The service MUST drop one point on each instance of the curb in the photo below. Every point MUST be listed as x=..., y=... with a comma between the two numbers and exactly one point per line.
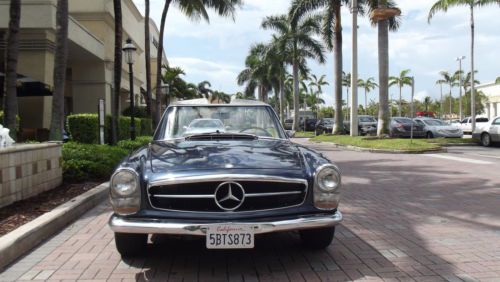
x=21, y=240
x=384, y=151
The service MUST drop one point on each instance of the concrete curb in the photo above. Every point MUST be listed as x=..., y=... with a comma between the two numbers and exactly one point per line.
x=21, y=240
x=383, y=151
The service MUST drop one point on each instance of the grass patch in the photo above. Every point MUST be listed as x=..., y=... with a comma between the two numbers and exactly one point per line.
x=383, y=144
x=302, y=134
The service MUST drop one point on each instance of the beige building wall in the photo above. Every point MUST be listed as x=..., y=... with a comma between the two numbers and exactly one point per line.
x=492, y=106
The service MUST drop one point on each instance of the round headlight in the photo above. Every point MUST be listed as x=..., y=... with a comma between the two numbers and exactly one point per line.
x=124, y=183
x=328, y=179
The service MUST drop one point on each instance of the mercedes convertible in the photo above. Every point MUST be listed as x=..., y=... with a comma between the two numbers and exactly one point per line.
x=225, y=172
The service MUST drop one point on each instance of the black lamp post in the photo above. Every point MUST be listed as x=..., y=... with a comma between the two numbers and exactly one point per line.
x=129, y=52
x=165, y=89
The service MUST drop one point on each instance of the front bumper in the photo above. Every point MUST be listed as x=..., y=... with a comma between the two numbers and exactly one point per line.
x=155, y=226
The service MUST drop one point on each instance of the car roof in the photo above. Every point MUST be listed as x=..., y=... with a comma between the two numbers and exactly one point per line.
x=206, y=102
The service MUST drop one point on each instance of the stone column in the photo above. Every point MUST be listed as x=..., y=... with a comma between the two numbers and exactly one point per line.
x=488, y=110
x=495, y=109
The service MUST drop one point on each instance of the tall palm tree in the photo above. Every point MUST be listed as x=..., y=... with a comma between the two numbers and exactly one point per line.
x=427, y=103
x=385, y=15
x=346, y=82
x=318, y=83
x=256, y=73
x=12, y=54
x=60, y=62
x=449, y=79
x=117, y=7
x=147, y=55
x=296, y=36
x=467, y=85
x=400, y=81
x=204, y=89
x=444, y=5
x=440, y=82
x=367, y=86
x=497, y=81
x=278, y=59
x=331, y=32
x=194, y=10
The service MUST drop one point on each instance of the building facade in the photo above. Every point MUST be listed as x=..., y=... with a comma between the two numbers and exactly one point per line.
x=492, y=105
x=90, y=59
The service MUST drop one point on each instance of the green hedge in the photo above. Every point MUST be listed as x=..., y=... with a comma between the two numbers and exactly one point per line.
x=84, y=128
x=83, y=162
x=18, y=120
x=136, y=144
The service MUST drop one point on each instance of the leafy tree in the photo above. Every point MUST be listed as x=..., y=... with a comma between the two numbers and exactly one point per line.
x=400, y=81
x=204, y=89
x=449, y=79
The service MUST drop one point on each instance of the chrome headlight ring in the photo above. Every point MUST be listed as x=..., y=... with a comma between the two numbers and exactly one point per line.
x=125, y=191
x=327, y=184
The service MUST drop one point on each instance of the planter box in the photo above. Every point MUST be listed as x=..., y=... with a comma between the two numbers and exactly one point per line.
x=27, y=170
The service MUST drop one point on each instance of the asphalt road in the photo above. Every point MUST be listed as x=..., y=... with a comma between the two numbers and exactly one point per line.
x=432, y=217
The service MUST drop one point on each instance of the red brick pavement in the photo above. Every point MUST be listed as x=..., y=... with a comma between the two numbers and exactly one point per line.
x=406, y=219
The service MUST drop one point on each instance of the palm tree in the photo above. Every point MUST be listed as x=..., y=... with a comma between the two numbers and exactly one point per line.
x=194, y=10
x=449, y=79
x=497, y=81
x=220, y=97
x=385, y=15
x=318, y=83
x=117, y=7
x=467, y=84
x=346, y=82
x=277, y=59
x=12, y=54
x=444, y=5
x=256, y=73
x=331, y=32
x=368, y=86
x=204, y=90
x=147, y=55
x=60, y=61
x=296, y=37
x=400, y=81
x=427, y=103
x=440, y=82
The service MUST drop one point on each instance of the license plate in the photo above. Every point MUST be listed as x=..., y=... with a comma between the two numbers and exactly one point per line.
x=228, y=236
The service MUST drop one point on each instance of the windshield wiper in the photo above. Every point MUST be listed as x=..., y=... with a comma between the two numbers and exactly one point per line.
x=221, y=136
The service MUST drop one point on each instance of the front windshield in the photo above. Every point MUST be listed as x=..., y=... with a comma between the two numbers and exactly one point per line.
x=435, y=122
x=367, y=119
x=183, y=121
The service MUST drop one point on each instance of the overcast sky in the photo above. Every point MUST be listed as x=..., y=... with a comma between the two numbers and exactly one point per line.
x=216, y=51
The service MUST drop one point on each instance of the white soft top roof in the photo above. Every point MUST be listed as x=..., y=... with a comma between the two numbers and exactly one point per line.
x=204, y=102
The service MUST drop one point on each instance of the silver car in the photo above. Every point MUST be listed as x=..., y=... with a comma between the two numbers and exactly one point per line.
x=489, y=133
x=438, y=128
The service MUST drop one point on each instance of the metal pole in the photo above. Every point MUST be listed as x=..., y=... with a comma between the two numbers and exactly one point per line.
x=460, y=87
x=132, y=107
x=354, y=70
x=411, y=107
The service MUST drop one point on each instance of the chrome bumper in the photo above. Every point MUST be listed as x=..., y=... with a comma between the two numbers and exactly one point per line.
x=152, y=226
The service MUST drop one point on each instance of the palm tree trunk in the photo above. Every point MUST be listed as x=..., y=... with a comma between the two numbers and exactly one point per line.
x=441, y=110
x=400, y=105
x=159, y=58
x=366, y=103
x=282, y=102
x=296, y=108
x=347, y=105
x=117, y=6
x=451, y=103
x=147, y=54
x=473, y=87
x=338, y=127
x=60, y=61
x=10, y=110
x=383, y=66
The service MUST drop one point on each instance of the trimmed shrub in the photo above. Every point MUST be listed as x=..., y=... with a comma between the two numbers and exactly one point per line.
x=18, y=121
x=90, y=161
x=123, y=128
x=84, y=128
x=147, y=127
x=139, y=142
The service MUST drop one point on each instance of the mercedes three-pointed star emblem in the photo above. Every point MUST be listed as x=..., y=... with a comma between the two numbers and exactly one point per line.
x=229, y=196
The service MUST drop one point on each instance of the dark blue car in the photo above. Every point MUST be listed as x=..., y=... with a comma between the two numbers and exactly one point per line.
x=225, y=185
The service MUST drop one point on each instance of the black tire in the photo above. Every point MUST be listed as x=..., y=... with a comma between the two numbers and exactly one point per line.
x=486, y=140
x=429, y=135
x=317, y=238
x=131, y=245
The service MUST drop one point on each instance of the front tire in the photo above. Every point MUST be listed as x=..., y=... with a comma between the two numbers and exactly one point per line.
x=317, y=239
x=486, y=140
x=130, y=245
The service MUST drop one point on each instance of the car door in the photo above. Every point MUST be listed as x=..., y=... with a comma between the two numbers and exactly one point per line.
x=495, y=130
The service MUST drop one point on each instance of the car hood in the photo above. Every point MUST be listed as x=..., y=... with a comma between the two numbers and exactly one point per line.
x=166, y=157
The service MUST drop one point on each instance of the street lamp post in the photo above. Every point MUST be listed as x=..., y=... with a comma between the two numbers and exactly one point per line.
x=354, y=70
x=459, y=59
x=165, y=89
x=129, y=51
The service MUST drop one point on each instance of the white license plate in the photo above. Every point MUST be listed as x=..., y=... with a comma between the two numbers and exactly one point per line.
x=229, y=236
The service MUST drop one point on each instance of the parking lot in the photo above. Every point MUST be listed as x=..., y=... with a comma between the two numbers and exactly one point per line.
x=406, y=217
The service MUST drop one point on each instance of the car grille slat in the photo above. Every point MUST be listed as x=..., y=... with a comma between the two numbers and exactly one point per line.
x=200, y=197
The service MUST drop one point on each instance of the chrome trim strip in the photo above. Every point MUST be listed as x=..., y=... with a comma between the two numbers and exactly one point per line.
x=223, y=178
x=251, y=195
x=152, y=226
x=254, y=195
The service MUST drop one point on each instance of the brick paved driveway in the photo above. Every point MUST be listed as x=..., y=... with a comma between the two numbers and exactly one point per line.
x=406, y=218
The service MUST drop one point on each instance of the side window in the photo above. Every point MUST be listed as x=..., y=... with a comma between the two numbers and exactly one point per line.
x=465, y=120
x=497, y=121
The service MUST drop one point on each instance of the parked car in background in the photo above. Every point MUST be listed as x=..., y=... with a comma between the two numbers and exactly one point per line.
x=489, y=133
x=426, y=114
x=203, y=125
x=367, y=125
x=324, y=126
x=226, y=187
x=437, y=128
x=402, y=127
x=288, y=124
x=454, y=122
x=466, y=124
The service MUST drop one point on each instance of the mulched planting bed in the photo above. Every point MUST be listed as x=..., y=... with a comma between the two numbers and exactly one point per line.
x=22, y=212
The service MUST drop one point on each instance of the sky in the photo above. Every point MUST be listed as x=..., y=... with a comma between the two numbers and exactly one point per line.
x=216, y=51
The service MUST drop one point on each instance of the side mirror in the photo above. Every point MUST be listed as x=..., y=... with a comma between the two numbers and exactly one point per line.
x=290, y=133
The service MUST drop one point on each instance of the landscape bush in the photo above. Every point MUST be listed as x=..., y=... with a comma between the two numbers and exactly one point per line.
x=18, y=120
x=139, y=142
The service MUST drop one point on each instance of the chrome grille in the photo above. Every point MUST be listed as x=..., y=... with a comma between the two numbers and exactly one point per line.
x=260, y=193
